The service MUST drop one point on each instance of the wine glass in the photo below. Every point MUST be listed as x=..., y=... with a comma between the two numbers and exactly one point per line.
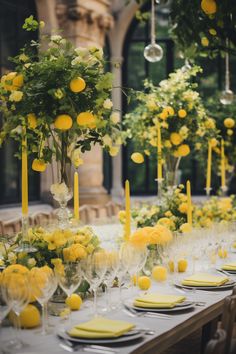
x=16, y=294
x=43, y=282
x=112, y=269
x=4, y=308
x=70, y=277
x=94, y=268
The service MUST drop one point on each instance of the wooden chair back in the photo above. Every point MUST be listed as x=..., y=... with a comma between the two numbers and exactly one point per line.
x=217, y=344
x=228, y=319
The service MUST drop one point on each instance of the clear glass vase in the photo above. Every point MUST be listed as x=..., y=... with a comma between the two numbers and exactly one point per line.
x=171, y=168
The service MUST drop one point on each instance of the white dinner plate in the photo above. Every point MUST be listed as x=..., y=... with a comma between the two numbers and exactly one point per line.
x=229, y=285
x=127, y=337
x=183, y=306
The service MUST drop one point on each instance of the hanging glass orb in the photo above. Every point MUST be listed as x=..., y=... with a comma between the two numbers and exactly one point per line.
x=153, y=53
x=186, y=66
x=227, y=97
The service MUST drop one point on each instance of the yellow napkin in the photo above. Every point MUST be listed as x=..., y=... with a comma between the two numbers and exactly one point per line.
x=204, y=279
x=229, y=266
x=100, y=327
x=158, y=301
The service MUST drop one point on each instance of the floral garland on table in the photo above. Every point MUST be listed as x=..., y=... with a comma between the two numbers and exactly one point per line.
x=215, y=210
x=176, y=106
x=61, y=97
x=172, y=213
x=52, y=247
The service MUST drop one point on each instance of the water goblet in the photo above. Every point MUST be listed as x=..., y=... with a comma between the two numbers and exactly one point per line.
x=43, y=282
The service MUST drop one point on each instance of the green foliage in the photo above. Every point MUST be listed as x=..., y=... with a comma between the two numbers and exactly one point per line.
x=40, y=86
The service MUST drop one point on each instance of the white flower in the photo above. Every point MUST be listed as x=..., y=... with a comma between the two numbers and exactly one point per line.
x=27, y=65
x=184, y=132
x=82, y=51
x=76, y=159
x=56, y=38
x=107, y=104
x=58, y=189
x=12, y=257
x=76, y=61
x=31, y=262
x=97, y=52
x=107, y=141
x=17, y=130
x=115, y=117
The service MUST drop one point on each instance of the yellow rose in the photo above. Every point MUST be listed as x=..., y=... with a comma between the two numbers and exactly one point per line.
x=229, y=123
x=166, y=222
x=175, y=138
x=39, y=165
x=210, y=123
x=182, y=113
x=183, y=208
x=140, y=237
x=137, y=157
x=214, y=142
x=230, y=132
x=169, y=110
x=167, y=143
x=18, y=81
x=16, y=96
x=160, y=235
x=163, y=115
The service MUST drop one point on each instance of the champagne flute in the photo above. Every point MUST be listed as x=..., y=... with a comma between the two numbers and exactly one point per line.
x=43, y=284
x=112, y=269
x=94, y=269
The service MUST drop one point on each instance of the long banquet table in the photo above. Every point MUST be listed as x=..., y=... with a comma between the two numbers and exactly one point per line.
x=167, y=331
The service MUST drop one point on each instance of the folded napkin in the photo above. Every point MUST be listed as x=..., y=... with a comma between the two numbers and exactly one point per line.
x=158, y=301
x=204, y=279
x=229, y=266
x=100, y=327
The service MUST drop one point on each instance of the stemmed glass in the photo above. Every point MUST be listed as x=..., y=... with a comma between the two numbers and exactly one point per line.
x=16, y=294
x=43, y=282
x=70, y=277
x=94, y=268
x=112, y=269
x=4, y=307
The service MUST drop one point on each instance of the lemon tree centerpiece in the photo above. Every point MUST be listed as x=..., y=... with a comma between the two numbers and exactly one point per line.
x=177, y=108
x=58, y=98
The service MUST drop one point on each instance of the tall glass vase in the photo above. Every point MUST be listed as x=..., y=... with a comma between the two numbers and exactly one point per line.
x=61, y=188
x=171, y=168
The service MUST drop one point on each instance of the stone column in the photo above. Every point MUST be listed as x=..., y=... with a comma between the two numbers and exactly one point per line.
x=85, y=24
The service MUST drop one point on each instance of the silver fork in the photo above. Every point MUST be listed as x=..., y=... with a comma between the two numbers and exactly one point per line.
x=134, y=313
x=71, y=347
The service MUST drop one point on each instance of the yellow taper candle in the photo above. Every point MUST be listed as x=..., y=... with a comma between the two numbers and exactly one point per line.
x=127, y=211
x=208, y=177
x=76, y=196
x=223, y=185
x=189, y=202
x=159, y=158
x=24, y=175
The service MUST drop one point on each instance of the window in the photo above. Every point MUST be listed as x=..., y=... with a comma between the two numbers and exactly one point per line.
x=12, y=38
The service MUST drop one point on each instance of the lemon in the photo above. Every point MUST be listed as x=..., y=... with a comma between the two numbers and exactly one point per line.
x=144, y=283
x=159, y=273
x=63, y=122
x=182, y=265
x=77, y=84
x=171, y=266
x=32, y=120
x=209, y=6
x=205, y=41
x=74, y=302
x=137, y=157
x=222, y=253
x=29, y=317
x=39, y=165
x=86, y=119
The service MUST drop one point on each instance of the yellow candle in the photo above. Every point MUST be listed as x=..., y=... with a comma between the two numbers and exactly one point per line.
x=24, y=176
x=189, y=202
x=127, y=211
x=209, y=160
x=159, y=162
x=76, y=196
x=223, y=185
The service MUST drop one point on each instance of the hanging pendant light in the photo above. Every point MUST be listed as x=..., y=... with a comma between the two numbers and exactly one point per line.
x=153, y=52
x=227, y=96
